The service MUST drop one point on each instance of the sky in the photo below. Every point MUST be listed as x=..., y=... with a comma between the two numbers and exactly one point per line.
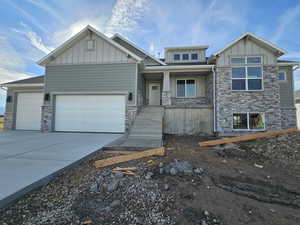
x=30, y=29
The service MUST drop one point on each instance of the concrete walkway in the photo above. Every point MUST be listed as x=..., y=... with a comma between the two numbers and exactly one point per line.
x=30, y=159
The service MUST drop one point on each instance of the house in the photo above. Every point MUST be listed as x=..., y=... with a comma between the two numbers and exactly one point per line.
x=93, y=83
x=297, y=103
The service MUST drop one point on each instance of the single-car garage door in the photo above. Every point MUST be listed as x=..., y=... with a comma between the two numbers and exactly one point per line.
x=29, y=111
x=90, y=113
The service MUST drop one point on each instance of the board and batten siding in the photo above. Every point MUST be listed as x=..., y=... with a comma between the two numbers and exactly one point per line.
x=92, y=78
x=287, y=88
x=146, y=59
x=103, y=52
x=246, y=47
x=169, y=55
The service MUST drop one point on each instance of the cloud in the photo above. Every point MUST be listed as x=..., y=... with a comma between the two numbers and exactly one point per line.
x=285, y=20
x=34, y=39
x=292, y=55
x=125, y=16
x=9, y=57
x=29, y=17
x=43, y=5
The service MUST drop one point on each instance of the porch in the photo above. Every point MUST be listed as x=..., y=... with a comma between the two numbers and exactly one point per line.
x=186, y=92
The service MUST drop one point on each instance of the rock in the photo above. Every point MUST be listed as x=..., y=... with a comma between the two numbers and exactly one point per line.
x=118, y=175
x=166, y=187
x=161, y=170
x=106, y=173
x=115, y=203
x=206, y=213
x=94, y=187
x=199, y=170
x=112, y=186
x=149, y=175
x=224, y=161
x=180, y=166
x=230, y=146
x=203, y=222
x=173, y=171
x=161, y=165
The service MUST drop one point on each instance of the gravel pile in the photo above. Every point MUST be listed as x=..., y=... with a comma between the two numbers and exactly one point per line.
x=285, y=148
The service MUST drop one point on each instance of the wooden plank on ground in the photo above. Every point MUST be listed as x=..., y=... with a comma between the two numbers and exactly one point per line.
x=247, y=137
x=120, y=152
x=125, y=158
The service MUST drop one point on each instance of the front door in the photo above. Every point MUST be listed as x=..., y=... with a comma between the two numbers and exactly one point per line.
x=154, y=94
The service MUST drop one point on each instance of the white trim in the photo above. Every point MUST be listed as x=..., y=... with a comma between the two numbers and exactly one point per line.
x=138, y=48
x=280, y=71
x=136, y=85
x=185, y=89
x=66, y=44
x=187, y=47
x=280, y=50
x=177, y=67
x=248, y=121
x=288, y=63
x=23, y=85
x=246, y=78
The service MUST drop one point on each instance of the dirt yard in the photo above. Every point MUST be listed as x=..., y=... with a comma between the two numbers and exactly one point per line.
x=256, y=182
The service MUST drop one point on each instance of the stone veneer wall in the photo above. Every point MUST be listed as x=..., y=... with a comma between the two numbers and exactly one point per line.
x=189, y=102
x=47, y=117
x=8, y=121
x=288, y=118
x=229, y=102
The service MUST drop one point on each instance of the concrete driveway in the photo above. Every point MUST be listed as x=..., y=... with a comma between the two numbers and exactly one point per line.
x=29, y=159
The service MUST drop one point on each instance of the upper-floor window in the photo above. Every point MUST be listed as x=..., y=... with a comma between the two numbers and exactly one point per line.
x=281, y=76
x=194, y=56
x=246, y=77
x=246, y=60
x=185, y=88
x=176, y=57
x=185, y=56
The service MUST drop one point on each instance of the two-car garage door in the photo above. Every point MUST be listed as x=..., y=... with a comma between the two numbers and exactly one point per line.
x=90, y=113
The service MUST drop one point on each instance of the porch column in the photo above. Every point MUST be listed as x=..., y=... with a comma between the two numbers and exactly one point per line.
x=166, y=93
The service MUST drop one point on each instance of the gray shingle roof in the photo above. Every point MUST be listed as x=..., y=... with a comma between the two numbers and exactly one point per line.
x=31, y=80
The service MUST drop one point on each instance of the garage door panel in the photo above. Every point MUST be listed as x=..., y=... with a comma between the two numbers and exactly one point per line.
x=90, y=113
x=29, y=112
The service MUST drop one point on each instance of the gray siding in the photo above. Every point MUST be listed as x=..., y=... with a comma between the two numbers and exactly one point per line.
x=246, y=47
x=146, y=59
x=92, y=78
x=286, y=88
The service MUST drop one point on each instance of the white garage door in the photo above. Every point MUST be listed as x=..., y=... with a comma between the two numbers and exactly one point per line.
x=29, y=111
x=90, y=113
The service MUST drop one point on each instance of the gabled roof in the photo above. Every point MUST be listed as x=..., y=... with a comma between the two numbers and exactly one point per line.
x=138, y=48
x=76, y=37
x=187, y=47
x=280, y=51
x=28, y=81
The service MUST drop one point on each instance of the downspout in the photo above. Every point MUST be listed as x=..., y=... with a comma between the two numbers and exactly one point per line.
x=214, y=96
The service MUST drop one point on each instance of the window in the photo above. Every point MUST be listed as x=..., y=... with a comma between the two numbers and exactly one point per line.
x=238, y=60
x=185, y=56
x=246, y=78
x=281, y=76
x=194, y=56
x=186, y=88
x=90, y=45
x=246, y=60
x=248, y=121
x=176, y=57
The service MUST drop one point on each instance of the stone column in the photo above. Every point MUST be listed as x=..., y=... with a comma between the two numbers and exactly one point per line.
x=166, y=93
x=47, y=117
